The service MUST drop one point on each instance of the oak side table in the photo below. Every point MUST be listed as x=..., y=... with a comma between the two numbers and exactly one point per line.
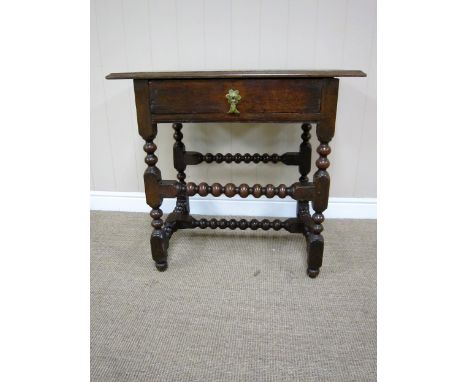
x=238, y=96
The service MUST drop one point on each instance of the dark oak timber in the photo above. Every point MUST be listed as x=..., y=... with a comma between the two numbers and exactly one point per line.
x=182, y=204
x=308, y=97
x=193, y=157
x=260, y=97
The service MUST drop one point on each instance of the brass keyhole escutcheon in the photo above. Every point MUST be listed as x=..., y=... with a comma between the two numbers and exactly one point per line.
x=233, y=98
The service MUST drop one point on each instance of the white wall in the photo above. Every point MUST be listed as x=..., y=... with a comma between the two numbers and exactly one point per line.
x=146, y=35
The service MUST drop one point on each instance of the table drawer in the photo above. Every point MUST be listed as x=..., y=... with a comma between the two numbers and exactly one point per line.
x=261, y=99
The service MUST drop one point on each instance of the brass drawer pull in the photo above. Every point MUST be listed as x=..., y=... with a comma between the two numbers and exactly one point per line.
x=233, y=98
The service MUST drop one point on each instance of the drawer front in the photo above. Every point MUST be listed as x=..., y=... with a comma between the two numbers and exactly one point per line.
x=261, y=99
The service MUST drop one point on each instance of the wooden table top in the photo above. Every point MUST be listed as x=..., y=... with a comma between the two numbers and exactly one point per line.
x=238, y=74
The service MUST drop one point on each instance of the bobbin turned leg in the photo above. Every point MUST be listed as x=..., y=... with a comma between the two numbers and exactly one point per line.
x=305, y=156
x=159, y=239
x=182, y=204
x=315, y=245
x=148, y=131
x=315, y=241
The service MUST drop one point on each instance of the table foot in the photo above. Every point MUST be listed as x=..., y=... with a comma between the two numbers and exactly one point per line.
x=161, y=267
x=159, y=246
x=315, y=244
x=313, y=273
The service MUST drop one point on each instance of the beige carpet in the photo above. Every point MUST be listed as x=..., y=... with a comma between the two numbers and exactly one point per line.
x=232, y=306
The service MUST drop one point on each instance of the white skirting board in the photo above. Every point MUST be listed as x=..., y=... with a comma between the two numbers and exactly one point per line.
x=338, y=208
